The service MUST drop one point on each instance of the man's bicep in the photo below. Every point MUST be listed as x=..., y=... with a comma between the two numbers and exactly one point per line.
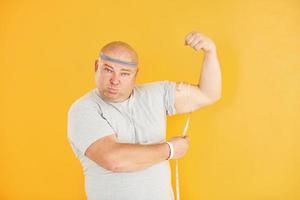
x=189, y=98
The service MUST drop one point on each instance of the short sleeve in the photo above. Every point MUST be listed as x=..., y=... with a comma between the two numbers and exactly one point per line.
x=86, y=125
x=169, y=97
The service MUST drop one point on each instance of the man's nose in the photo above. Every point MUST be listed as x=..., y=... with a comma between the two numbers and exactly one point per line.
x=115, y=79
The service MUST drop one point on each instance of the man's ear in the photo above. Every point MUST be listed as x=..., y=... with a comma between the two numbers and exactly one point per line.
x=137, y=71
x=96, y=64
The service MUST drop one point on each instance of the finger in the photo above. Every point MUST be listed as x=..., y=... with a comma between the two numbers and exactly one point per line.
x=195, y=42
x=189, y=35
x=195, y=39
x=189, y=38
x=199, y=45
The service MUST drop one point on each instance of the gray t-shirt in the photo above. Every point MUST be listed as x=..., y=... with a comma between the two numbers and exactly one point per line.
x=141, y=119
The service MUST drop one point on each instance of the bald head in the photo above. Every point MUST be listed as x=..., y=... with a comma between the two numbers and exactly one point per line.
x=116, y=71
x=120, y=50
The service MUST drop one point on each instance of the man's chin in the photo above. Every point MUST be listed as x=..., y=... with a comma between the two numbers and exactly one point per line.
x=114, y=97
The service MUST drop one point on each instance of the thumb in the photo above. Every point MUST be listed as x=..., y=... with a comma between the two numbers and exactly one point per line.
x=187, y=138
x=185, y=42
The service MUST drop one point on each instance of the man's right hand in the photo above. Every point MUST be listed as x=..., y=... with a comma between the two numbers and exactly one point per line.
x=180, y=145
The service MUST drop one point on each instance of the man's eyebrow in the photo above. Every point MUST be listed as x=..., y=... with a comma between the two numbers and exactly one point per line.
x=126, y=70
x=107, y=65
x=123, y=69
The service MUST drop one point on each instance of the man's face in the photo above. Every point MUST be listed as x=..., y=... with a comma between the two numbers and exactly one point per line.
x=114, y=81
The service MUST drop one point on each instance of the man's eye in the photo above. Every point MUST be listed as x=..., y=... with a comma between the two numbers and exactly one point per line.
x=125, y=74
x=108, y=70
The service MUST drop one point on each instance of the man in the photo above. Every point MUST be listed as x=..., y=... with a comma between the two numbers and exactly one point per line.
x=117, y=130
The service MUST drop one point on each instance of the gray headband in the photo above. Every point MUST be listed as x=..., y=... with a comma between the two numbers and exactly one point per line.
x=106, y=57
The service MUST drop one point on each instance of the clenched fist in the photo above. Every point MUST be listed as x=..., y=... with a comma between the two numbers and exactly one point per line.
x=180, y=145
x=200, y=41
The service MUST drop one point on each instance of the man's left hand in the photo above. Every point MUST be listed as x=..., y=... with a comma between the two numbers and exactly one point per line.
x=200, y=41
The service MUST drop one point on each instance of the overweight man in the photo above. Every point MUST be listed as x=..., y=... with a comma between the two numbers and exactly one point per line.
x=118, y=129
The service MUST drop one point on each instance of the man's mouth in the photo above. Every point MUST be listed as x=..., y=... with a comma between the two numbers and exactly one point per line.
x=112, y=90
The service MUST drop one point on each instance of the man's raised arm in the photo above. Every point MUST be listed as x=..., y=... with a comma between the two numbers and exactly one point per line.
x=190, y=97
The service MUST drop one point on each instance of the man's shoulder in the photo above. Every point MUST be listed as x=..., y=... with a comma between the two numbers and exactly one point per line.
x=83, y=102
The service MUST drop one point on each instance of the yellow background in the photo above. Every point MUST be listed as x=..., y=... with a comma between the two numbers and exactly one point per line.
x=244, y=147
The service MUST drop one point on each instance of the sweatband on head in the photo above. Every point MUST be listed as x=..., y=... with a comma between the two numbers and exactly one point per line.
x=108, y=58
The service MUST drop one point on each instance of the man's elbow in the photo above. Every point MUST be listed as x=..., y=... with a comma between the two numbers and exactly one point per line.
x=113, y=167
x=109, y=164
x=124, y=166
x=108, y=161
x=214, y=99
x=116, y=165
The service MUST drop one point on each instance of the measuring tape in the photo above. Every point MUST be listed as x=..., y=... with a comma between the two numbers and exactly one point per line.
x=187, y=123
x=176, y=164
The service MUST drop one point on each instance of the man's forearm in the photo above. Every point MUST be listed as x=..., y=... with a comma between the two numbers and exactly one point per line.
x=210, y=80
x=133, y=157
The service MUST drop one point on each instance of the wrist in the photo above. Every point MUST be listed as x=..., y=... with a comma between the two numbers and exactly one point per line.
x=212, y=51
